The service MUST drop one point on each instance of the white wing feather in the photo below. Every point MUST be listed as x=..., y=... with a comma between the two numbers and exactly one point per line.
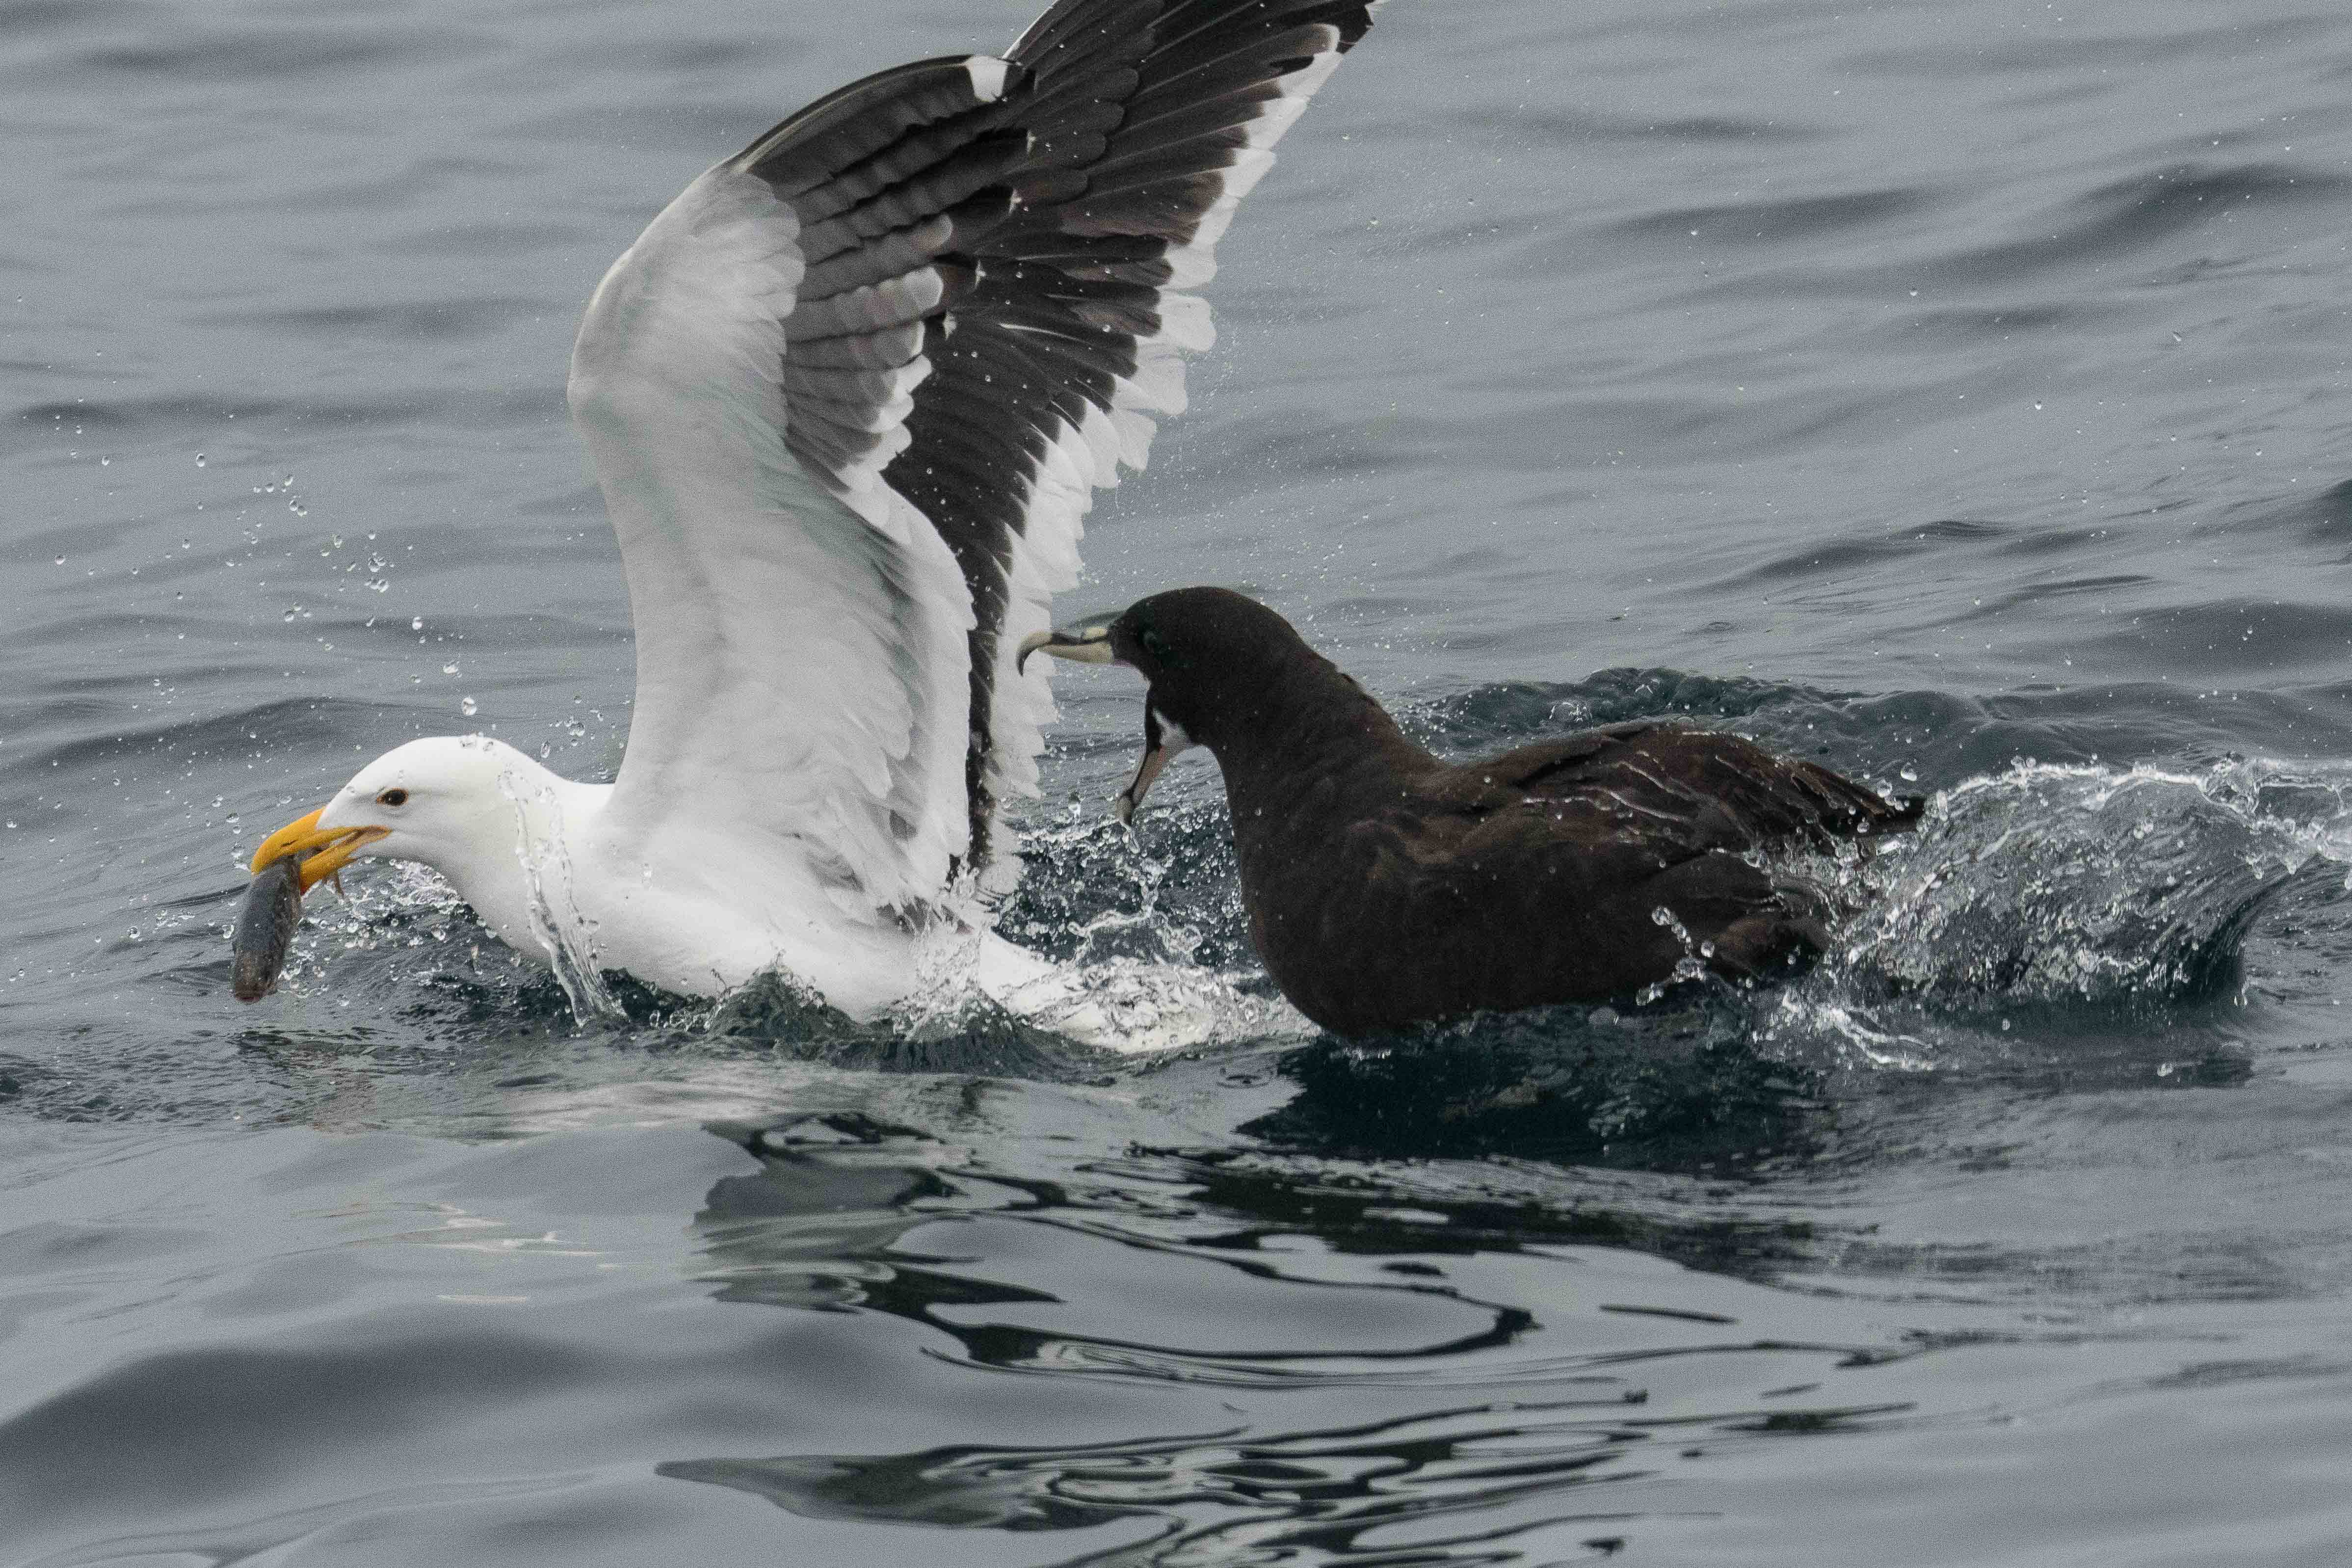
x=801, y=664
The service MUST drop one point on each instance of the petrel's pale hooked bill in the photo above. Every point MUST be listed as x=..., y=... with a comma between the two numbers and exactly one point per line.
x=849, y=397
x=1087, y=644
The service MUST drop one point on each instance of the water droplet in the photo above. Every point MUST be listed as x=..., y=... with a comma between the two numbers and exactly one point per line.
x=467, y=706
x=200, y=459
x=294, y=612
x=1907, y=773
x=448, y=669
x=416, y=622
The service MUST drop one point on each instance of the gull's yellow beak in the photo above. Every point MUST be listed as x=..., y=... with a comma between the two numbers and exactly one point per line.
x=327, y=847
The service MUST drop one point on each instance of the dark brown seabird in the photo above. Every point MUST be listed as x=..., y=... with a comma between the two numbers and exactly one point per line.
x=1386, y=888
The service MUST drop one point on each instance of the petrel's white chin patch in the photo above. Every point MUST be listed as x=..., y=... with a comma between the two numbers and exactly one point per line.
x=1172, y=739
x=1163, y=741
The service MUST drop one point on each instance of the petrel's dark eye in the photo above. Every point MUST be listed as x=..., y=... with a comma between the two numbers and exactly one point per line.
x=1156, y=645
x=393, y=797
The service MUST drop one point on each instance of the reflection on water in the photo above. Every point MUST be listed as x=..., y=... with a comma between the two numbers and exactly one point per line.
x=1335, y=1292
x=1228, y=1497
x=1678, y=1087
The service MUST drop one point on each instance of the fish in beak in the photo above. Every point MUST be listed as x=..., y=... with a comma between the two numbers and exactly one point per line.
x=265, y=928
x=289, y=863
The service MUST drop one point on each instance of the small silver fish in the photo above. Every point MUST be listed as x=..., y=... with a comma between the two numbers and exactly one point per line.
x=265, y=928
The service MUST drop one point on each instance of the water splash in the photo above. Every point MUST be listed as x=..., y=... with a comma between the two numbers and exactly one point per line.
x=565, y=933
x=2092, y=901
x=2055, y=883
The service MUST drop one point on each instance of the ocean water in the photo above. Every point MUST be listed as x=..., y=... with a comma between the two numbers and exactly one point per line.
x=1955, y=392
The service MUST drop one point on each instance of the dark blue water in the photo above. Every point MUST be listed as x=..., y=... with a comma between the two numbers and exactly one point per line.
x=1956, y=392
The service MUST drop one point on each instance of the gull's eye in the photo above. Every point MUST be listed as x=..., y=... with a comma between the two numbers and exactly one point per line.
x=393, y=797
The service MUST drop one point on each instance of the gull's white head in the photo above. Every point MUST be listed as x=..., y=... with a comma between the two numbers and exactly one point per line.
x=454, y=802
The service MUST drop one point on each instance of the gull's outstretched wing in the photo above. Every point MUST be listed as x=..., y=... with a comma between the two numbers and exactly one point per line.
x=849, y=397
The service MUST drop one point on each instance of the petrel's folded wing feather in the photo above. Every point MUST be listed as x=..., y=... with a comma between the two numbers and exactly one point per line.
x=850, y=394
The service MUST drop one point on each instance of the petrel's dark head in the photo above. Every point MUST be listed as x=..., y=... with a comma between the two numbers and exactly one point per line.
x=1210, y=656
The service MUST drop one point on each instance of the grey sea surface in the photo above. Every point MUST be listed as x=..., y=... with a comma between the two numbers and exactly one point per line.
x=1956, y=392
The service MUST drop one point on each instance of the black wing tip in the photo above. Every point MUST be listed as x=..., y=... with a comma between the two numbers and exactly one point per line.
x=853, y=122
x=1061, y=25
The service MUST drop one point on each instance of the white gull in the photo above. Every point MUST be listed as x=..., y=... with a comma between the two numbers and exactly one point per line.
x=848, y=398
